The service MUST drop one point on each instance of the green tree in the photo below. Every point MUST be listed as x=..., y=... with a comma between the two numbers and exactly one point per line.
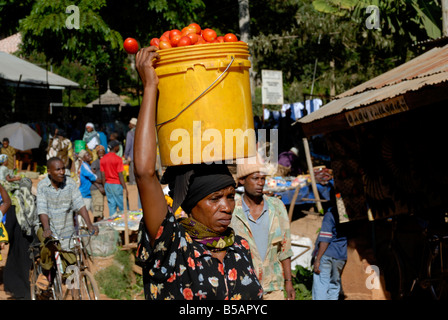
x=412, y=18
x=11, y=11
x=98, y=42
x=334, y=33
x=46, y=30
x=146, y=19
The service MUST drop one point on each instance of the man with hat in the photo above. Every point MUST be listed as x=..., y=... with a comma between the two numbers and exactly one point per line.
x=111, y=167
x=129, y=150
x=264, y=223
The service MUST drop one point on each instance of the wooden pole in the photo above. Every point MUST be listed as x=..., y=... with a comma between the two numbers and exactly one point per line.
x=293, y=203
x=125, y=218
x=313, y=179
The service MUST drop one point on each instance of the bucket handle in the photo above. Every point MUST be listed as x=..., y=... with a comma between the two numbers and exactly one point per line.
x=219, y=77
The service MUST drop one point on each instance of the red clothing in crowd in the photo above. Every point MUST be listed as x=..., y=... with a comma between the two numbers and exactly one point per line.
x=111, y=165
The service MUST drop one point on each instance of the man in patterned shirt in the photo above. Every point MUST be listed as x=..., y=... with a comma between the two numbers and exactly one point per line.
x=264, y=223
x=58, y=197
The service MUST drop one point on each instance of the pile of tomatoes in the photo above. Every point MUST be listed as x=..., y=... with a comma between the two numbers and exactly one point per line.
x=190, y=35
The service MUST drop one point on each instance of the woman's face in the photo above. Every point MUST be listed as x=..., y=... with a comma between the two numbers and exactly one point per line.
x=215, y=210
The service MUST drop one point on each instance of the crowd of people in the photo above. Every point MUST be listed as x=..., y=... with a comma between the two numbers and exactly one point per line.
x=77, y=181
x=98, y=168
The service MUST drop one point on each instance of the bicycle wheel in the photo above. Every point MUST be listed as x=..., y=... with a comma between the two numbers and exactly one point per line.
x=438, y=273
x=35, y=270
x=86, y=259
x=57, y=286
x=88, y=286
x=395, y=276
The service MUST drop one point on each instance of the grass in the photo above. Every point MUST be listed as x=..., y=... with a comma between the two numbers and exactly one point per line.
x=118, y=281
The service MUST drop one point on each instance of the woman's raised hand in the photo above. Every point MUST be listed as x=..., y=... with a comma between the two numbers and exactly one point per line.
x=144, y=61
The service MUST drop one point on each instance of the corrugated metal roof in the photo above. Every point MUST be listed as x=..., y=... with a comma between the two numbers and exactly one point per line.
x=427, y=69
x=12, y=67
x=372, y=96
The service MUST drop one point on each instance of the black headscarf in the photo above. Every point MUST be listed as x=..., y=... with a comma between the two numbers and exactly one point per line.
x=191, y=183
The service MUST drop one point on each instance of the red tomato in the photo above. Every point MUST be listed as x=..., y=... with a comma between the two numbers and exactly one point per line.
x=174, y=32
x=208, y=35
x=194, y=37
x=220, y=39
x=188, y=30
x=196, y=26
x=175, y=39
x=200, y=40
x=165, y=45
x=184, y=41
x=230, y=37
x=166, y=34
x=164, y=38
x=154, y=42
x=130, y=45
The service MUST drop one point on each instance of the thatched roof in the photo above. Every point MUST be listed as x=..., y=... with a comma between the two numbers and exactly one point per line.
x=108, y=98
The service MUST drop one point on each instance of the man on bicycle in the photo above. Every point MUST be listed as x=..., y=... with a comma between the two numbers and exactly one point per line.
x=58, y=197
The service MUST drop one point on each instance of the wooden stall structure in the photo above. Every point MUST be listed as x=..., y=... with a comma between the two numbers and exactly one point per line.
x=386, y=139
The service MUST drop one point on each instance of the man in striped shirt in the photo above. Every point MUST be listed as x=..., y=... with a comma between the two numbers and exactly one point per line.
x=58, y=197
x=330, y=255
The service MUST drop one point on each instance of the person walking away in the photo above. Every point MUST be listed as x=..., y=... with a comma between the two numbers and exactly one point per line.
x=21, y=231
x=97, y=189
x=87, y=178
x=263, y=221
x=129, y=149
x=330, y=256
x=114, y=137
x=58, y=199
x=10, y=152
x=111, y=166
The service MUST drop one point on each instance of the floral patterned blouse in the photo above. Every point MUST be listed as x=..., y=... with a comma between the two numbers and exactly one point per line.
x=178, y=267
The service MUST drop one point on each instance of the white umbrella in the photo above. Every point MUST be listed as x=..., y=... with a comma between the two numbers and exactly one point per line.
x=20, y=136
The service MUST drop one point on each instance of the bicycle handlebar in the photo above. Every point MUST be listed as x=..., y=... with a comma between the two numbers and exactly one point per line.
x=56, y=238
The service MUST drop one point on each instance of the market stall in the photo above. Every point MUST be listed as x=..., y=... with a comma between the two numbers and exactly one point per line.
x=384, y=137
x=285, y=187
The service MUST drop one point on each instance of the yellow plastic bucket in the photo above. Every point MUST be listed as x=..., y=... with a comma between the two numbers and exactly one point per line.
x=204, y=111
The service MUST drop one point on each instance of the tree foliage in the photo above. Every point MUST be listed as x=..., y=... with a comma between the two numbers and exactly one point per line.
x=11, y=11
x=286, y=35
x=413, y=18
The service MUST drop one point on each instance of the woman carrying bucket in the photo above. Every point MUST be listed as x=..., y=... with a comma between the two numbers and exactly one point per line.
x=198, y=257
